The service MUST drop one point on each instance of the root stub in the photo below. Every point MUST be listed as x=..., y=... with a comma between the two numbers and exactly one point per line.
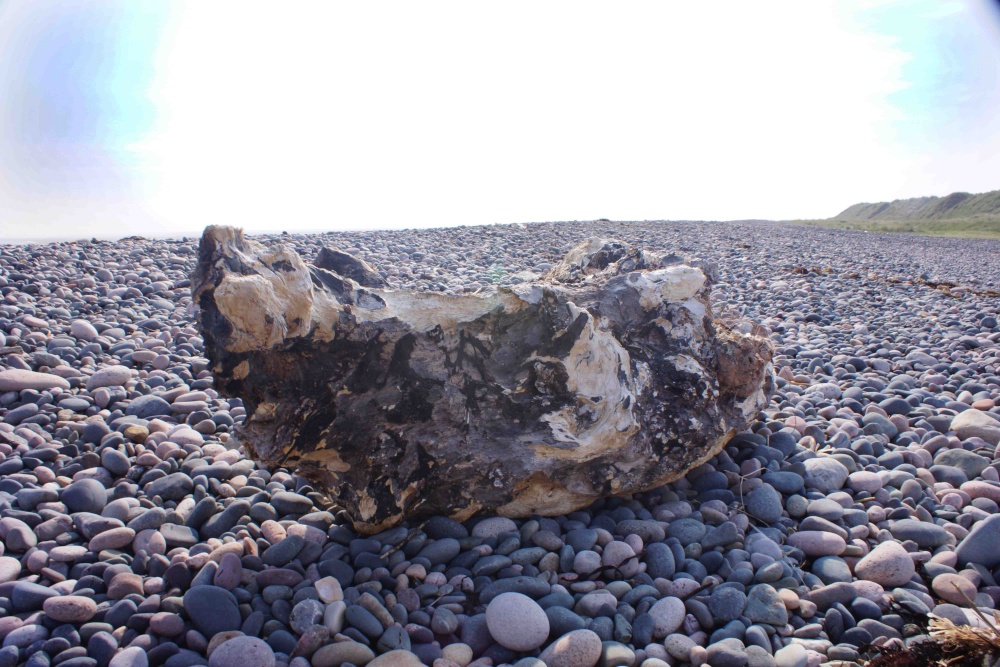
x=607, y=376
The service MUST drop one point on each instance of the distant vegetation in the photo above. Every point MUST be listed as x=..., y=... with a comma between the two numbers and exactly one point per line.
x=958, y=205
x=958, y=214
x=977, y=228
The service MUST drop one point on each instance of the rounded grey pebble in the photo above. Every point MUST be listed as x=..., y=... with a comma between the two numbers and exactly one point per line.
x=242, y=652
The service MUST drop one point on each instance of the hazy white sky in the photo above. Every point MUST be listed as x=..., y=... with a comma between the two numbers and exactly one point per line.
x=124, y=117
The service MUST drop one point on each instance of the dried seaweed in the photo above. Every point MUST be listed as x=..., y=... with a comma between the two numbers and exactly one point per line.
x=945, y=645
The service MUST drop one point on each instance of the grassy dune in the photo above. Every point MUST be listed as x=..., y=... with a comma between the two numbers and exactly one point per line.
x=980, y=227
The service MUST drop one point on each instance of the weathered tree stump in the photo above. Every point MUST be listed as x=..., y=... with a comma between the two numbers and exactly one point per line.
x=607, y=376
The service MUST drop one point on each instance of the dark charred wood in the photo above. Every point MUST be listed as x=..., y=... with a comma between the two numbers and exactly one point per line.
x=349, y=266
x=608, y=376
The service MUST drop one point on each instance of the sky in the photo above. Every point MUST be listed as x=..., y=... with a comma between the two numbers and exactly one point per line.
x=159, y=117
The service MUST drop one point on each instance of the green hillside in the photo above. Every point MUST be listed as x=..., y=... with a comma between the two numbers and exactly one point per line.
x=959, y=214
x=976, y=228
x=957, y=205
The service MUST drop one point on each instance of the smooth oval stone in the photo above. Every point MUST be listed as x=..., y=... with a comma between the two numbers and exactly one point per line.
x=132, y=656
x=242, y=652
x=148, y=407
x=517, y=622
x=286, y=502
x=27, y=596
x=174, y=486
x=85, y=495
x=70, y=608
x=441, y=551
x=109, y=376
x=339, y=653
x=212, y=610
x=579, y=648
x=16, y=379
x=926, y=535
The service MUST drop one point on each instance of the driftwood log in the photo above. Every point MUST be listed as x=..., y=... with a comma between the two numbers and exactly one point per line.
x=607, y=376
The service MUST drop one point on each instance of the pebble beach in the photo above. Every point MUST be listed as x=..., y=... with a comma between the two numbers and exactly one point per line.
x=134, y=530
